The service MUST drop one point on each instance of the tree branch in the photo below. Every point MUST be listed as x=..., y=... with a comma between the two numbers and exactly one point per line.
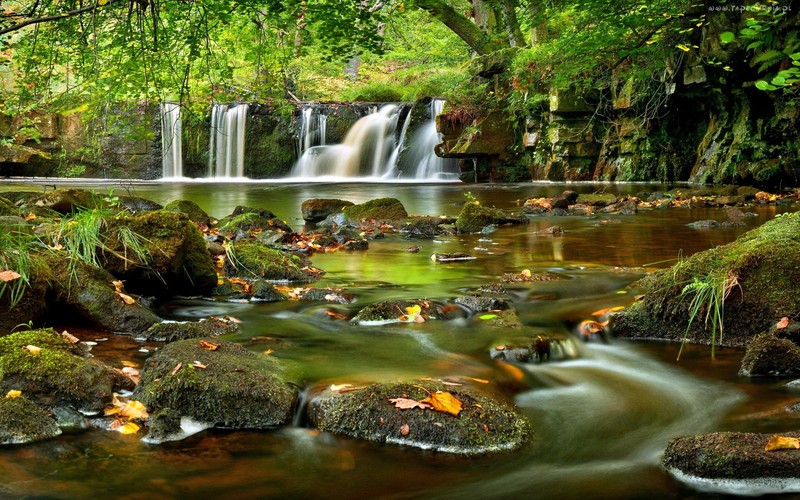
x=461, y=26
x=55, y=17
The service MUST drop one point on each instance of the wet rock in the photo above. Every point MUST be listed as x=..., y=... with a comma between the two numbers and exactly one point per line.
x=60, y=374
x=414, y=249
x=137, y=205
x=351, y=237
x=231, y=290
x=69, y=420
x=323, y=295
x=171, y=331
x=252, y=260
x=703, y=224
x=191, y=209
x=23, y=421
x=246, y=220
x=68, y=200
x=506, y=319
x=535, y=349
x=598, y=200
x=428, y=227
x=19, y=198
x=176, y=255
x=481, y=303
x=39, y=212
x=730, y=455
x=768, y=355
x=392, y=310
x=380, y=210
x=228, y=387
x=264, y=291
x=552, y=230
x=484, y=424
x=762, y=269
x=317, y=209
x=730, y=200
x=474, y=217
x=570, y=196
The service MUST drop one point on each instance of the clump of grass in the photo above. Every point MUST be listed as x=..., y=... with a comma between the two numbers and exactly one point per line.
x=708, y=301
x=16, y=254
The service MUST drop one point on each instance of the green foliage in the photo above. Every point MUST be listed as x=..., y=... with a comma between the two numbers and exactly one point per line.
x=17, y=254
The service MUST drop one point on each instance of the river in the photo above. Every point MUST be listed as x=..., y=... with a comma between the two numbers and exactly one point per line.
x=601, y=420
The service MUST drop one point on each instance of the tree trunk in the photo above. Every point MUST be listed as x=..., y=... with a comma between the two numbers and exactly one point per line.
x=461, y=26
x=511, y=24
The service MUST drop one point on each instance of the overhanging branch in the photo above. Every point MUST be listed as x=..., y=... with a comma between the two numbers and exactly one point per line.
x=55, y=17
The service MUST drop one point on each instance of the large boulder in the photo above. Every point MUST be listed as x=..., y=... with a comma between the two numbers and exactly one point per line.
x=771, y=356
x=389, y=210
x=474, y=217
x=23, y=421
x=252, y=260
x=176, y=254
x=483, y=424
x=246, y=220
x=59, y=373
x=191, y=209
x=427, y=227
x=757, y=274
x=69, y=200
x=317, y=209
x=229, y=386
x=170, y=331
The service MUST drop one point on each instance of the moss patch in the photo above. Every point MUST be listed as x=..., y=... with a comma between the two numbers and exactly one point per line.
x=768, y=355
x=485, y=425
x=474, y=217
x=23, y=421
x=170, y=331
x=191, y=209
x=381, y=209
x=252, y=260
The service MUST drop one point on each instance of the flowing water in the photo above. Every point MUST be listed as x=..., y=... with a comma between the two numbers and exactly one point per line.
x=171, y=145
x=226, y=144
x=601, y=420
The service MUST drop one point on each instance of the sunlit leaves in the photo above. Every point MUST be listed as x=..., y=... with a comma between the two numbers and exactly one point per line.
x=778, y=442
x=409, y=404
x=441, y=401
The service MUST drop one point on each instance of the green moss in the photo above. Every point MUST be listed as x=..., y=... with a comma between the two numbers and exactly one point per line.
x=7, y=208
x=474, y=217
x=251, y=220
x=252, y=260
x=768, y=355
x=191, y=209
x=381, y=209
x=236, y=389
x=23, y=421
x=392, y=310
x=59, y=374
x=484, y=425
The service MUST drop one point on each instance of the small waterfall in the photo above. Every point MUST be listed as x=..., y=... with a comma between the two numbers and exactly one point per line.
x=313, y=129
x=226, y=148
x=369, y=149
x=428, y=165
x=172, y=157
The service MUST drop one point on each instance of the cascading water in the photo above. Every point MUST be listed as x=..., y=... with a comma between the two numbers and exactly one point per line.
x=369, y=150
x=172, y=157
x=313, y=129
x=226, y=150
x=421, y=153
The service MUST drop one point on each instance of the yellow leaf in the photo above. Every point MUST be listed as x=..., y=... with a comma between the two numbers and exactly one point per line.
x=118, y=286
x=526, y=273
x=13, y=394
x=777, y=442
x=209, y=346
x=30, y=217
x=413, y=310
x=444, y=402
x=128, y=428
x=134, y=410
x=126, y=298
x=33, y=349
x=683, y=47
x=70, y=338
x=102, y=2
x=131, y=364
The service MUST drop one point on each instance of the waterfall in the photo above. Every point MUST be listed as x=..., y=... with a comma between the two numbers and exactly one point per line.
x=172, y=158
x=313, y=129
x=226, y=148
x=428, y=165
x=369, y=149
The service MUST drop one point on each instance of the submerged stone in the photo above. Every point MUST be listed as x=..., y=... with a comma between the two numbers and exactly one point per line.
x=537, y=348
x=484, y=424
x=428, y=227
x=228, y=387
x=68, y=200
x=481, y=303
x=23, y=421
x=474, y=217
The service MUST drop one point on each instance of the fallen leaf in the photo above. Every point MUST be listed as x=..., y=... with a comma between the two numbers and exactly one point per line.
x=33, y=349
x=175, y=370
x=30, y=217
x=606, y=310
x=124, y=427
x=336, y=315
x=487, y=316
x=70, y=338
x=408, y=404
x=404, y=429
x=118, y=286
x=526, y=273
x=777, y=442
x=783, y=323
x=13, y=394
x=126, y=298
x=200, y=365
x=478, y=380
x=513, y=371
x=209, y=346
x=134, y=410
x=590, y=327
x=444, y=402
x=131, y=364
x=9, y=275
x=268, y=352
x=132, y=373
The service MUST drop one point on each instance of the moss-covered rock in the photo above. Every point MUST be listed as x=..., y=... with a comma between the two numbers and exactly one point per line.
x=177, y=255
x=544, y=346
x=60, y=374
x=762, y=269
x=317, y=209
x=597, y=200
x=7, y=208
x=252, y=260
x=135, y=204
x=768, y=355
x=393, y=310
x=484, y=424
x=480, y=303
x=731, y=455
x=170, y=331
x=380, y=210
x=428, y=227
x=191, y=209
x=69, y=200
x=474, y=217
x=14, y=224
x=234, y=388
x=23, y=421
x=246, y=219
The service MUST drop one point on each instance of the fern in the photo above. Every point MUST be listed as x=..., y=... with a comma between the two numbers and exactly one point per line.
x=767, y=59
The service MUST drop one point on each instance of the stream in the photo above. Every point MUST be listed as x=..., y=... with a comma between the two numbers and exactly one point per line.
x=601, y=420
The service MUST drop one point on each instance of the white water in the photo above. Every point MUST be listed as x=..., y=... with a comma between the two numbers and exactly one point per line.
x=226, y=149
x=421, y=152
x=313, y=130
x=172, y=157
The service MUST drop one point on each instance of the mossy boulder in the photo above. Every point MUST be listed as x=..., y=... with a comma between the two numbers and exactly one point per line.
x=170, y=331
x=474, y=217
x=731, y=455
x=391, y=311
x=762, y=269
x=177, y=255
x=246, y=219
x=191, y=209
x=234, y=388
x=484, y=425
x=317, y=209
x=597, y=200
x=428, y=227
x=379, y=210
x=768, y=355
x=60, y=374
x=135, y=204
x=252, y=260
x=23, y=421
x=69, y=200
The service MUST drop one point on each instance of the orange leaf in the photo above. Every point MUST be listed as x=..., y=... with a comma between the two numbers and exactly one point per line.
x=209, y=346
x=126, y=298
x=9, y=275
x=589, y=327
x=404, y=429
x=783, y=323
x=175, y=370
x=118, y=286
x=198, y=364
x=131, y=364
x=131, y=373
x=336, y=315
x=30, y=216
x=777, y=442
x=444, y=402
x=68, y=337
x=408, y=404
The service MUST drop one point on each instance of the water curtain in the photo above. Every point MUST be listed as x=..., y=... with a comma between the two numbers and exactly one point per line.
x=171, y=155
x=226, y=150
